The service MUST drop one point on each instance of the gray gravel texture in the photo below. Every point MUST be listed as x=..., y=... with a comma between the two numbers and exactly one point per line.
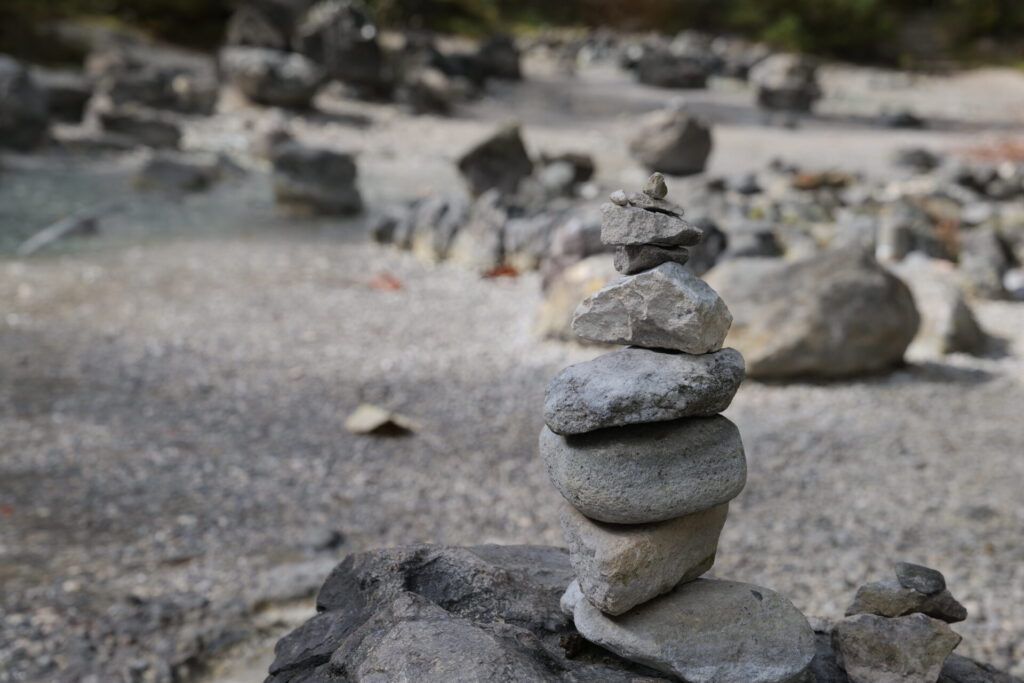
x=171, y=409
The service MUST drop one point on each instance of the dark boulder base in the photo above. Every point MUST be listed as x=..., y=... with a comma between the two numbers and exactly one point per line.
x=445, y=613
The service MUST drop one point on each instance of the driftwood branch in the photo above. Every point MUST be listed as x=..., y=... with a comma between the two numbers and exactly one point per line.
x=80, y=223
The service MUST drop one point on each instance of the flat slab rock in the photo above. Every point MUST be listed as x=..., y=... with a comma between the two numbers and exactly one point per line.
x=650, y=472
x=633, y=386
x=706, y=631
x=620, y=566
x=632, y=225
x=478, y=612
x=667, y=307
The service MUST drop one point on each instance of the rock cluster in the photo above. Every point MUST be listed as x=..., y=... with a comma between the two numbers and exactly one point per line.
x=897, y=630
x=634, y=443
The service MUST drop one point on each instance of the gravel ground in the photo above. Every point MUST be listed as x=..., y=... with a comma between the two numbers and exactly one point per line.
x=172, y=398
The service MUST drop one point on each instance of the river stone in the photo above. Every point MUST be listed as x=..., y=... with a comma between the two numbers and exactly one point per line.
x=911, y=649
x=922, y=579
x=707, y=631
x=648, y=472
x=655, y=187
x=272, y=77
x=667, y=307
x=672, y=141
x=890, y=599
x=500, y=162
x=620, y=566
x=24, y=118
x=631, y=386
x=631, y=225
x=633, y=260
x=836, y=314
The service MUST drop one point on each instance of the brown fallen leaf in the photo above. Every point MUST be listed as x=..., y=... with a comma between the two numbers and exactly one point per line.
x=371, y=419
x=504, y=270
x=384, y=281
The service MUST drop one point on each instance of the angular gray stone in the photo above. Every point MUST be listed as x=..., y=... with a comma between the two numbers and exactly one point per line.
x=666, y=307
x=620, y=566
x=645, y=201
x=707, y=631
x=564, y=290
x=786, y=81
x=833, y=315
x=499, y=162
x=922, y=579
x=890, y=599
x=672, y=141
x=911, y=649
x=632, y=225
x=632, y=260
x=649, y=472
x=633, y=386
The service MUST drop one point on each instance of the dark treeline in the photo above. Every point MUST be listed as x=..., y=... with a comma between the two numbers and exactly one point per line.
x=879, y=31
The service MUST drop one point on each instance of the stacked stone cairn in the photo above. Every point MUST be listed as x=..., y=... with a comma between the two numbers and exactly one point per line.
x=634, y=443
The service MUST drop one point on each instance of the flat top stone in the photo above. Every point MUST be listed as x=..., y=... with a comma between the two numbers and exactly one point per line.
x=706, y=631
x=643, y=201
x=622, y=225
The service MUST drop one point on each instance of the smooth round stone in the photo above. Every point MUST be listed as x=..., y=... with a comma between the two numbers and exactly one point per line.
x=705, y=631
x=647, y=472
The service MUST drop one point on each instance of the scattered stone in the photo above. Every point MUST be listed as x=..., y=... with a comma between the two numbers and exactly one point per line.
x=881, y=650
x=672, y=141
x=707, y=631
x=24, y=119
x=499, y=57
x=371, y=419
x=272, y=77
x=807, y=318
x=141, y=126
x=948, y=324
x=263, y=24
x=499, y=162
x=564, y=290
x=633, y=386
x=583, y=166
x=959, y=669
x=340, y=36
x=619, y=567
x=479, y=244
x=786, y=81
x=649, y=472
x=663, y=69
x=427, y=91
x=434, y=222
x=890, y=599
x=664, y=308
x=984, y=260
x=315, y=181
x=67, y=92
x=632, y=259
x=155, y=77
x=630, y=225
x=179, y=173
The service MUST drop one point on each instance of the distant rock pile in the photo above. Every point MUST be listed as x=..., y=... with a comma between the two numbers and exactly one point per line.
x=634, y=443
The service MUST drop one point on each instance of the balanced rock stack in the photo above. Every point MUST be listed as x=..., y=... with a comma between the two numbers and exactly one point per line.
x=636, y=446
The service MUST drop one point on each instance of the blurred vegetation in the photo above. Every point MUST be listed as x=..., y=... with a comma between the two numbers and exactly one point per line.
x=881, y=31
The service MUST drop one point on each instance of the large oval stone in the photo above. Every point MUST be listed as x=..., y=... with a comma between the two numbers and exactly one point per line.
x=705, y=631
x=648, y=472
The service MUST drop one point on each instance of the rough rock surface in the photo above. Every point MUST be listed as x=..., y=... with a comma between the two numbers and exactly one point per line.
x=313, y=180
x=436, y=613
x=836, y=314
x=650, y=472
x=632, y=386
x=706, y=631
x=922, y=579
x=911, y=649
x=672, y=141
x=499, y=162
x=667, y=307
x=564, y=292
x=23, y=112
x=630, y=225
x=635, y=259
x=621, y=566
x=948, y=324
x=272, y=77
x=890, y=599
